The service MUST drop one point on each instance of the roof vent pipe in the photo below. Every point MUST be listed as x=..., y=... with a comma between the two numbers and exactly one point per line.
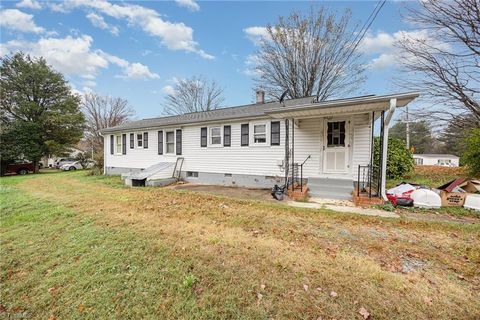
x=260, y=94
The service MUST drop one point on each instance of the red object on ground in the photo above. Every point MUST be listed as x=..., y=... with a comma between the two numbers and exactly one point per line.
x=394, y=199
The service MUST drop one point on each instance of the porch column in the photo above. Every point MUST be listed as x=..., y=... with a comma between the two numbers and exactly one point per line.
x=391, y=111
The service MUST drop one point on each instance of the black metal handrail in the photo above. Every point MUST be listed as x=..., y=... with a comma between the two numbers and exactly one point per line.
x=368, y=180
x=296, y=167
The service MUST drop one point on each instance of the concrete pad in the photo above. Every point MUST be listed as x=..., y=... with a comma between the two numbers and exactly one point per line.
x=364, y=211
x=346, y=209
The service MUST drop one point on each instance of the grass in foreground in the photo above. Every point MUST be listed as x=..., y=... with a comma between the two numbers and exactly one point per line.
x=84, y=247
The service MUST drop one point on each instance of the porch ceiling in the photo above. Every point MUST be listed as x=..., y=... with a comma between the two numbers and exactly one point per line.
x=339, y=107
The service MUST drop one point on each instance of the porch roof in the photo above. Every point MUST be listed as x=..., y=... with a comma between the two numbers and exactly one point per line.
x=342, y=106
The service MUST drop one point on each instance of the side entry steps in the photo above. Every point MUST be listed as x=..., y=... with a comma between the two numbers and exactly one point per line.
x=177, y=171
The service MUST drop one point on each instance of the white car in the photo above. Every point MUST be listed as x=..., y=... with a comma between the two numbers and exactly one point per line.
x=71, y=166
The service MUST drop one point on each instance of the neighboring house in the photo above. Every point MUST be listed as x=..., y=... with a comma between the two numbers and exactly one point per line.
x=446, y=160
x=247, y=145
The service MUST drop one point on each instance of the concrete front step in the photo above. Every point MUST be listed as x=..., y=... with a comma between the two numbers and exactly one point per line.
x=328, y=188
x=329, y=195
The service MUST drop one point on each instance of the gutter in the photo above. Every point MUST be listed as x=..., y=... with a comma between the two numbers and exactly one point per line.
x=391, y=111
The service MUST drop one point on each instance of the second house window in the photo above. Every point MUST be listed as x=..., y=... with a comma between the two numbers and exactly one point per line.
x=139, y=140
x=170, y=141
x=215, y=136
x=260, y=133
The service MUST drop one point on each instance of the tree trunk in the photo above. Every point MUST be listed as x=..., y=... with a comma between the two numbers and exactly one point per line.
x=35, y=166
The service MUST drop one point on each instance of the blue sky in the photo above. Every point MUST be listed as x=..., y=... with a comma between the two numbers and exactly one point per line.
x=137, y=49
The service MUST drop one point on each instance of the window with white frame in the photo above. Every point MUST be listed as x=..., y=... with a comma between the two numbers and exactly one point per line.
x=215, y=136
x=170, y=142
x=259, y=133
x=139, y=140
x=118, y=144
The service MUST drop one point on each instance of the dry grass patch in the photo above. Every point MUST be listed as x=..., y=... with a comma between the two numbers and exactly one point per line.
x=254, y=258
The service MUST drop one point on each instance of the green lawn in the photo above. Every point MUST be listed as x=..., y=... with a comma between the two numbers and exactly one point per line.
x=78, y=246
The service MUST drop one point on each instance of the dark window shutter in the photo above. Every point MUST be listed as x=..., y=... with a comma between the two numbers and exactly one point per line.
x=132, y=141
x=160, y=142
x=275, y=133
x=244, y=135
x=178, y=137
x=227, y=136
x=111, y=144
x=124, y=143
x=145, y=140
x=203, y=137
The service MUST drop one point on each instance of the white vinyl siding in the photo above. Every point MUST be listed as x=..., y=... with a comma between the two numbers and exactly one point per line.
x=252, y=159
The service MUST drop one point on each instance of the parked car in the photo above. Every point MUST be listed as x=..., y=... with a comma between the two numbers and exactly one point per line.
x=71, y=166
x=19, y=167
x=63, y=161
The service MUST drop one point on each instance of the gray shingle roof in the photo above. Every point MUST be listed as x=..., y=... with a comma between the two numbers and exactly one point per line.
x=246, y=111
x=249, y=111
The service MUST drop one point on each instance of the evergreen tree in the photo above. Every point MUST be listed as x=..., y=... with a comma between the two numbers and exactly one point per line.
x=39, y=114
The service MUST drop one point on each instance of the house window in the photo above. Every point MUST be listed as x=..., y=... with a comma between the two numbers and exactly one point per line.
x=244, y=135
x=259, y=133
x=170, y=141
x=118, y=144
x=192, y=174
x=139, y=140
x=215, y=136
x=275, y=133
x=203, y=137
x=132, y=141
x=336, y=134
x=227, y=136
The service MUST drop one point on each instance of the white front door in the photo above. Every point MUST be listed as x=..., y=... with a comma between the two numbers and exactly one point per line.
x=335, y=146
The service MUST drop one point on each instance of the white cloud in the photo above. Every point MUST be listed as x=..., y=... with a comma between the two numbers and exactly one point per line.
x=251, y=62
x=138, y=71
x=168, y=89
x=74, y=56
x=189, y=4
x=30, y=4
x=257, y=34
x=99, y=22
x=19, y=21
x=383, y=45
x=174, y=35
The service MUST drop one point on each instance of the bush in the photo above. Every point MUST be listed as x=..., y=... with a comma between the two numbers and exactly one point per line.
x=471, y=155
x=399, y=159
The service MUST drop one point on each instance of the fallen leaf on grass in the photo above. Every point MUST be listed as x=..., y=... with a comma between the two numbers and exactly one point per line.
x=333, y=294
x=262, y=287
x=305, y=287
x=52, y=289
x=81, y=307
x=364, y=313
x=259, y=296
x=52, y=317
x=428, y=300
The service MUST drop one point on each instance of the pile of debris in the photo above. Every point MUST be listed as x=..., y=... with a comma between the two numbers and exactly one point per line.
x=456, y=193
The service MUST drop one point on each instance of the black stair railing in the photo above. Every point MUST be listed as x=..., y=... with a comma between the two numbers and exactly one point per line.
x=297, y=181
x=368, y=181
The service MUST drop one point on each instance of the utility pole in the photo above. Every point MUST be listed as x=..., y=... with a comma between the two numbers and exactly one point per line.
x=407, y=127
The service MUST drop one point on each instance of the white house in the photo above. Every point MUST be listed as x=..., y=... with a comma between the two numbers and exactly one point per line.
x=250, y=145
x=445, y=160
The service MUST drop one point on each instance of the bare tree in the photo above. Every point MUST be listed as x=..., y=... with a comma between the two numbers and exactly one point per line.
x=103, y=112
x=192, y=95
x=310, y=55
x=445, y=65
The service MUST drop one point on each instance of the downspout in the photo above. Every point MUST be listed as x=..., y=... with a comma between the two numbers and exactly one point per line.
x=391, y=111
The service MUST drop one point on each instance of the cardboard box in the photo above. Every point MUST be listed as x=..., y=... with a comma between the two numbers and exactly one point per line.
x=471, y=186
x=452, y=199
